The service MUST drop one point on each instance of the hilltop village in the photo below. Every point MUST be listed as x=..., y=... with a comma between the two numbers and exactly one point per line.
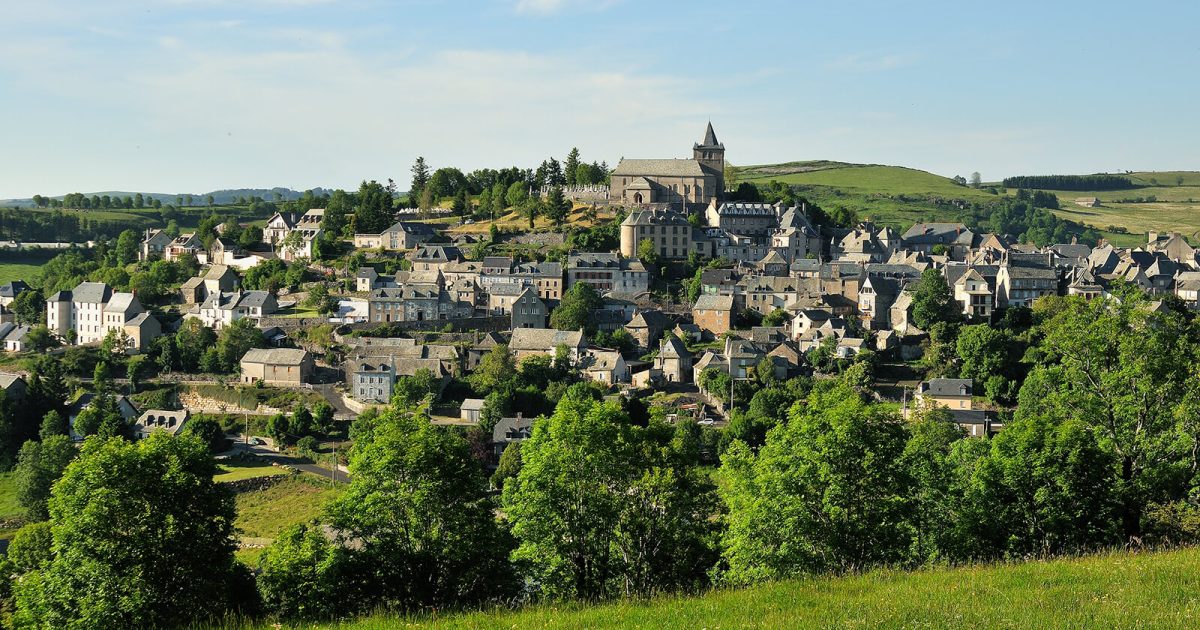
x=574, y=382
x=699, y=298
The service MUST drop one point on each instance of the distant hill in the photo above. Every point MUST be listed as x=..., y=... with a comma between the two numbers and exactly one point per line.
x=220, y=197
x=901, y=196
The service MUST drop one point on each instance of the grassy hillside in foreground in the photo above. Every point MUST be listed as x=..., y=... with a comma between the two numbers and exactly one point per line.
x=1115, y=590
x=900, y=196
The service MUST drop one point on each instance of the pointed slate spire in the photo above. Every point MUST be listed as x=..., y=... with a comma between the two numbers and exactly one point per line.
x=710, y=137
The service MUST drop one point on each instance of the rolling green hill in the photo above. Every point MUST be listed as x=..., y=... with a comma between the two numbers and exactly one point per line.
x=900, y=196
x=1118, y=590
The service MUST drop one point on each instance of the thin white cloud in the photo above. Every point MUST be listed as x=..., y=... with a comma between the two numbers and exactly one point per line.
x=549, y=7
x=871, y=62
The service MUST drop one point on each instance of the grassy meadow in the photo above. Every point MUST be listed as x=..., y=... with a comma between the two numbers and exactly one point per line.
x=263, y=514
x=896, y=195
x=1115, y=590
x=238, y=469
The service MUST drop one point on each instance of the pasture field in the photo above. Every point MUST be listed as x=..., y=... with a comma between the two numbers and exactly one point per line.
x=1114, y=590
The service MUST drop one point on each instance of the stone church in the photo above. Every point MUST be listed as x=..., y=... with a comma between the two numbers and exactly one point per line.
x=685, y=184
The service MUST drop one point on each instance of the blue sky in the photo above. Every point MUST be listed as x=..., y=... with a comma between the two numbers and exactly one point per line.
x=194, y=95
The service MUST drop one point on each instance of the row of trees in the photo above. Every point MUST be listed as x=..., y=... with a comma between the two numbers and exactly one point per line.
x=1070, y=182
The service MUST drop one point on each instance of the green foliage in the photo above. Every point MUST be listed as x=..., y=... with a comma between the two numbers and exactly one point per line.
x=158, y=492
x=574, y=311
x=496, y=369
x=39, y=465
x=1126, y=375
x=191, y=341
x=29, y=307
x=509, y=466
x=31, y=547
x=301, y=575
x=374, y=212
x=418, y=513
x=603, y=508
x=777, y=317
x=208, y=431
x=828, y=492
x=234, y=340
x=414, y=389
x=556, y=207
x=1069, y=182
x=933, y=302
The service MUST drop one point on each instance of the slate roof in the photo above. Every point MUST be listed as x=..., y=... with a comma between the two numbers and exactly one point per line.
x=945, y=387
x=512, y=429
x=275, y=356
x=593, y=260
x=672, y=348
x=122, y=302
x=12, y=289
x=714, y=303
x=254, y=299
x=542, y=339
x=91, y=293
x=662, y=168
x=7, y=380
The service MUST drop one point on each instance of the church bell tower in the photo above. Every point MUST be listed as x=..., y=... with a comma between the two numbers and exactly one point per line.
x=711, y=154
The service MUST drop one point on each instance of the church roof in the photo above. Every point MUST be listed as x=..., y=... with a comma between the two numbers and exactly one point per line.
x=667, y=168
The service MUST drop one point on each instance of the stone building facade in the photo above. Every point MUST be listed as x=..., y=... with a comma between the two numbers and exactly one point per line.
x=681, y=183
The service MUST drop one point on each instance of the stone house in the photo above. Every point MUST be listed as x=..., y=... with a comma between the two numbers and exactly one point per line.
x=154, y=245
x=1023, y=278
x=713, y=313
x=604, y=366
x=285, y=367
x=667, y=230
x=607, y=272
x=674, y=360
x=528, y=310
x=528, y=342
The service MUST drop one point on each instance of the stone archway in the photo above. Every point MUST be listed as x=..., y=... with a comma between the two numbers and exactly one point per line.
x=637, y=197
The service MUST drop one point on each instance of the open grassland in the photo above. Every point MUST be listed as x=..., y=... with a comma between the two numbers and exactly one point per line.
x=9, y=508
x=1175, y=206
x=265, y=513
x=1118, y=590
x=889, y=195
x=865, y=178
x=262, y=514
x=12, y=516
x=237, y=469
x=899, y=196
x=10, y=271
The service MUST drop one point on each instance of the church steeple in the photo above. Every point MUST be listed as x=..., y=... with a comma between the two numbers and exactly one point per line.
x=710, y=138
x=711, y=155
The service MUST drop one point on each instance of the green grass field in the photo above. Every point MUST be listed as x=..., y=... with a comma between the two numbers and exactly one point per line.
x=1119, y=590
x=9, y=508
x=262, y=514
x=265, y=513
x=898, y=196
x=10, y=271
x=234, y=470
